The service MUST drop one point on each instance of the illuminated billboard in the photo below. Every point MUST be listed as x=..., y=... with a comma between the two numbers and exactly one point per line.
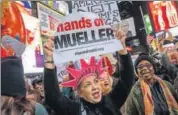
x=164, y=15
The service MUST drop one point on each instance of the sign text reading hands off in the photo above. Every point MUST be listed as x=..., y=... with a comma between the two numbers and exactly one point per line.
x=83, y=34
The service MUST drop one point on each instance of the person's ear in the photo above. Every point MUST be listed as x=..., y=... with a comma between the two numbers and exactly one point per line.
x=111, y=80
x=79, y=92
x=137, y=75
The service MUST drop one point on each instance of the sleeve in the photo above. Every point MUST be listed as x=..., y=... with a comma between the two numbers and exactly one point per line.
x=124, y=85
x=40, y=110
x=130, y=108
x=53, y=96
x=171, y=88
x=171, y=69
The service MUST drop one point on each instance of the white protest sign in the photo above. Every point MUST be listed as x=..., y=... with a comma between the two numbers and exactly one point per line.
x=82, y=35
x=48, y=19
x=61, y=71
x=128, y=26
x=107, y=10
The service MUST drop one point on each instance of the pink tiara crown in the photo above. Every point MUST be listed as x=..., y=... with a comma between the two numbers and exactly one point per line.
x=86, y=69
x=107, y=63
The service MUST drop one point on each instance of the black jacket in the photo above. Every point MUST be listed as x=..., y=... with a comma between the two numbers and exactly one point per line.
x=171, y=69
x=109, y=105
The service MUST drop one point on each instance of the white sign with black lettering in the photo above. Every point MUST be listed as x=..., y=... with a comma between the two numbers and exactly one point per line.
x=107, y=10
x=82, y=35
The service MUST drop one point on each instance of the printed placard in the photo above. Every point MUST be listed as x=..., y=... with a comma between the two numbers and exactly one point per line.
x=107, y=10
x=82, y=35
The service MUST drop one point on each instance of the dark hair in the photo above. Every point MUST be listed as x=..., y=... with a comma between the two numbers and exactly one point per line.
x=167, y=42
x=36, y=81
x=175, y=41
x=17, y=106
x=36, y=94
x=144, y=56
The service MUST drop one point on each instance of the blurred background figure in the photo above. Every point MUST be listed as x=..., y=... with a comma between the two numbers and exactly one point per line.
x=14, y=100
x=38, y=85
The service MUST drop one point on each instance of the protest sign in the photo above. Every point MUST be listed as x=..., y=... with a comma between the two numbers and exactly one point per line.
x=32, y=57
x=107, y=10
x=61, y=71
x=128, y=26
x=81, y=35
x=48, y=19
x=60, y=6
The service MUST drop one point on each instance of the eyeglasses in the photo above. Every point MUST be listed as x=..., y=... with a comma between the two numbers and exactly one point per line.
x=145, y=65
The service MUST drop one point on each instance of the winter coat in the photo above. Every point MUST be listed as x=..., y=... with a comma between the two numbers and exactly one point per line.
x=135, y=104
x=109, y=105
x=40, y=110
x=171, y=69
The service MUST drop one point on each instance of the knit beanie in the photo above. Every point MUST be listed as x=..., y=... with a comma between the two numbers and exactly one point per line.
x=12, y=77
x=142, y=57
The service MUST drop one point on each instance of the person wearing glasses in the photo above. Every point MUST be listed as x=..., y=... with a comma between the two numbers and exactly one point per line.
x=150, y=95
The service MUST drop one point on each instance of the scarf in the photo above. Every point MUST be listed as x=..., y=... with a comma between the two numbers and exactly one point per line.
x=148, y=101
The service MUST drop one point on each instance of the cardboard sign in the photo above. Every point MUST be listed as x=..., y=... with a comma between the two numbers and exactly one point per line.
x=107, y=10
x=82, y=35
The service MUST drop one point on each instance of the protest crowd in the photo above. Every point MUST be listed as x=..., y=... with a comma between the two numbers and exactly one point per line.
x=102, y=79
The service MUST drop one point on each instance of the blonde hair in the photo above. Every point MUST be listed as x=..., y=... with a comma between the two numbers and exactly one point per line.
x=16, y=106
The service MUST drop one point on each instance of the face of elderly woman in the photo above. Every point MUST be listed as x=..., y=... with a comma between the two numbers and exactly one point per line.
x=90, y=89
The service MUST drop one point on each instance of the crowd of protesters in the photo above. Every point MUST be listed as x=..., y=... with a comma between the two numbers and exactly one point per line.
x=96, y=88
x=148, y=86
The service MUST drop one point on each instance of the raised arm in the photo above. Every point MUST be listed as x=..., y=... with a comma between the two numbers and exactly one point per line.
x=171, y=69
x=53, y=96
x=123, y=87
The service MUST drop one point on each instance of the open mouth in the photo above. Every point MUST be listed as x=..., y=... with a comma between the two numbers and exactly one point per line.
x=96, y=95
x=145, y=72
x=106, y=84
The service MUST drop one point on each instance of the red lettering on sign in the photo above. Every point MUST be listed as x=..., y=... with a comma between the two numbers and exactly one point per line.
x=73, y=25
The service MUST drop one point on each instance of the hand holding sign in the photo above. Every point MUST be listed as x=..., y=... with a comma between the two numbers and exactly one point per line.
x=48, y=53
x=48, y=49
x=120, y=35
x=82, y=35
